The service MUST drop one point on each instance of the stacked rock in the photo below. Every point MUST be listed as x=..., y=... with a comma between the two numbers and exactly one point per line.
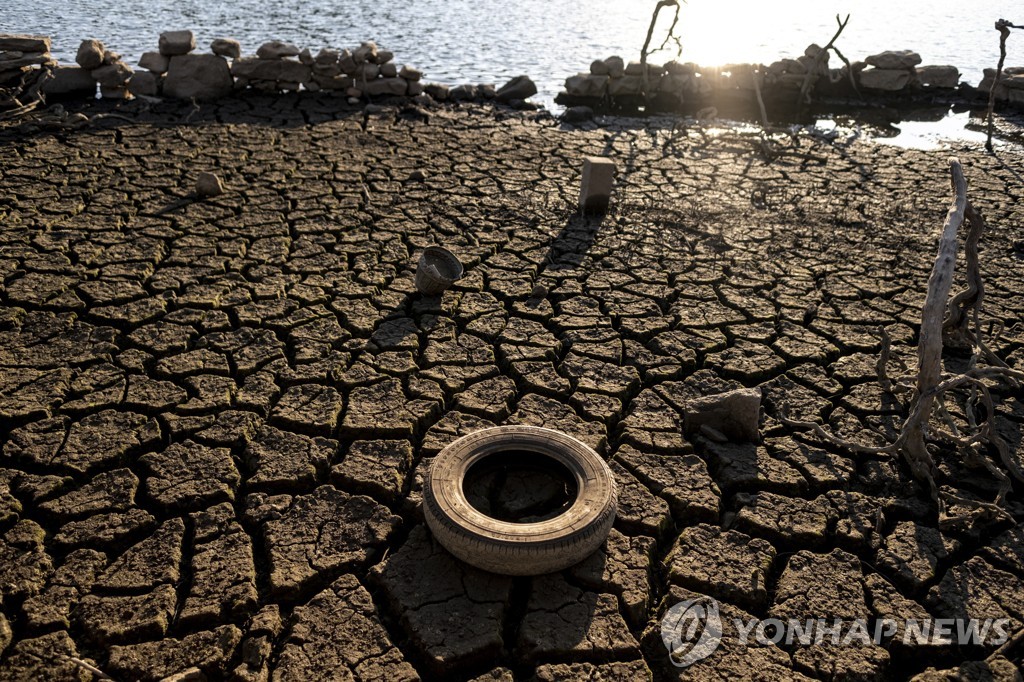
x=1011, y=84
x=615, y=78
x=173, y=71
x=106, y=68
x=366, y=70
x=24, y=65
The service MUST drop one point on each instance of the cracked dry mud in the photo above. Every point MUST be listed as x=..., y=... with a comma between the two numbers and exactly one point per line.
x=216, y=415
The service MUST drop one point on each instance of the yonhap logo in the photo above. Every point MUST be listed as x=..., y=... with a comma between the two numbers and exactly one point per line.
x=691, y=631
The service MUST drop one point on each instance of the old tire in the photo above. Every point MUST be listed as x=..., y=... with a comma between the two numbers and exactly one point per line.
x=519, y=548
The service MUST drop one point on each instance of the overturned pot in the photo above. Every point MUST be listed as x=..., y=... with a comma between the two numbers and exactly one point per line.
x=438, y=269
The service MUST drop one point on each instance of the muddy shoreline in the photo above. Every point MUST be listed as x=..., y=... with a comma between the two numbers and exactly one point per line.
x=215, y=414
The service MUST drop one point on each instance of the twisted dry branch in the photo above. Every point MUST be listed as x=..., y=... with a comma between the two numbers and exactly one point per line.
x=931, y=385
x=1003, y=26
x=645, y=51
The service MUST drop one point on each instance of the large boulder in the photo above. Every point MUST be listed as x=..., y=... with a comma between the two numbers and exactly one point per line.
x=173, y=43
x=586, y=85
x=894, y=59
x=271, y=70
x=199, y=76
x=520, y=87
x=90, y=54
x=144, y=83
x=938, y=76
x=70, y=80
x=891, y=80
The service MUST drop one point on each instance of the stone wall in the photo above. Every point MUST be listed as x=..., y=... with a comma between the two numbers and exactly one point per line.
x=176, y=70
x=679, y=86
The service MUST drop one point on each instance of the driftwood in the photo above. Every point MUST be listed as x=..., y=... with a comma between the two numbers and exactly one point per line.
x=1003, y=26
x=930, y=387
x=645, y=51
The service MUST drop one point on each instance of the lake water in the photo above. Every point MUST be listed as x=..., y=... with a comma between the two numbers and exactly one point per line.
x=474, y=41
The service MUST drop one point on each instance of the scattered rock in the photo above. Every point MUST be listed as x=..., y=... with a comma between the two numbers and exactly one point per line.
x=208, y=185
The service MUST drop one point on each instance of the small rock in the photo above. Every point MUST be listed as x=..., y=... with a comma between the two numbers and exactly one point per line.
x=209, y=185
x=306, y=57
x=90, y=54
x=410, y=73
x=327, y=56
x=616, y=67
x=367, y=52
x=276, y=49
x=389, y=70
x=384, y=56
x=598, y=68
x=520, y=87
x=226, y=47
x=177, y=43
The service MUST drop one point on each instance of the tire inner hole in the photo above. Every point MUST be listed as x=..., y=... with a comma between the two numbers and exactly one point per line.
x=519, y=486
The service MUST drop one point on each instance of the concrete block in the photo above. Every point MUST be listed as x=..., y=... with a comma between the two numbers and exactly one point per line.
x=596, y=186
